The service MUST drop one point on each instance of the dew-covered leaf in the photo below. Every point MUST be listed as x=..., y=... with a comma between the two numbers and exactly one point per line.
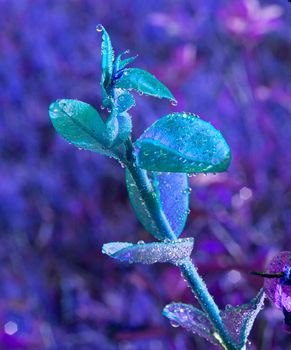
x=107, y=56
x=172, y=191
x=127, y=61
x=239, y=320
x=110, y=133
x=150, y=253
x=119, y=64
x=144, y=82
x=124, y=100
x=80, y=124
x=190, y=318
x=124, y=128
x=182, y=142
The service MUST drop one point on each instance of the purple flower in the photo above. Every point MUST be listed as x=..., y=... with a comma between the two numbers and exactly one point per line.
x=248, y=21
x=278, y=289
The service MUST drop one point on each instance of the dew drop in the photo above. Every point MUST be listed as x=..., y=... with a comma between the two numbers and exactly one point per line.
x=99, y=28
x=140, y=242
x=174, y=324
x=174, y=103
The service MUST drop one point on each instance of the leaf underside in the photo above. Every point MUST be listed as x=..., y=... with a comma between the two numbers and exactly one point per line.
x=150, y=253
x=192, y=319
x=173, y=195
x=239, y=319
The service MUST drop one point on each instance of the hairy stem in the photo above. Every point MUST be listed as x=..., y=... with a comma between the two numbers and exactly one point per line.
x=207, y=303
x=187, y=268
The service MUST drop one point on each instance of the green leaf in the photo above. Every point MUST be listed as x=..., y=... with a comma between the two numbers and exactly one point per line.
x=80, y=124
x=127, y=61
x=107, y=56
x=144, y=82
x=182, y=142
x=120, y=64
x=124, y=128
x=107, y=65
x=173, y=194
x=111, y=131
x=124, y=100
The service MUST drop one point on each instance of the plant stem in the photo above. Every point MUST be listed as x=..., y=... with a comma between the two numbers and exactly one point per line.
x=187, y=268
x=207, y=303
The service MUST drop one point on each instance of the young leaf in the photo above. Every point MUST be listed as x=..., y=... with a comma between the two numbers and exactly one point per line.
x=150, y=253
x=80, y=124
x=173, y=195
x=190, y=318
x=182, y=142
x=127, y=61
x=124, y=128
x=111, y=131
x=120, y=64
x=144, y=82
x=107, y=56
x=239, y=320
x=124, y=100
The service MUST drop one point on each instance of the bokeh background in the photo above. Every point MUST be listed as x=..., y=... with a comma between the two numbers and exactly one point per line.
x=227, y=61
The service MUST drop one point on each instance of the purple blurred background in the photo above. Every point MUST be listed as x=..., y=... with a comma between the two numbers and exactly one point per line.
x=227, y=61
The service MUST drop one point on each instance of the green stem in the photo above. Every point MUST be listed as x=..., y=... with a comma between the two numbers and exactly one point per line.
x=187, y=268
x=148, y=194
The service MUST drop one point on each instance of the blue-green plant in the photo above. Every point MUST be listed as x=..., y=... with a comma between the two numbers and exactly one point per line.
x=157, y=166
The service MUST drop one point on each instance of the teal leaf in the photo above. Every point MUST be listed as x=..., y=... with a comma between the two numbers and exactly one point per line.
x=80, y=124
x=124, y=100
x=127, y=61
x=144, y=82
x=124, y=128
x=190, y=318
x=119, y=64
x=111, y=131
x=182, y=142
x=107, y=56
x=172, y=191
x=239, y=320
x=149, y=253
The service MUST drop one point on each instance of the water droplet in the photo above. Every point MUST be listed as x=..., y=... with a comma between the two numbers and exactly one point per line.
x=174, y=324
x=174, y=103
x=99, y=28
x=140, y=242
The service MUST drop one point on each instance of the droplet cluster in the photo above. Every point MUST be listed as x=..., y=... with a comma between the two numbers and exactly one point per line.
x=149, y=253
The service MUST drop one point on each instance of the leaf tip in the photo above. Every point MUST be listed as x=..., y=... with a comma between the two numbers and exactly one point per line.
x=54, y=109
